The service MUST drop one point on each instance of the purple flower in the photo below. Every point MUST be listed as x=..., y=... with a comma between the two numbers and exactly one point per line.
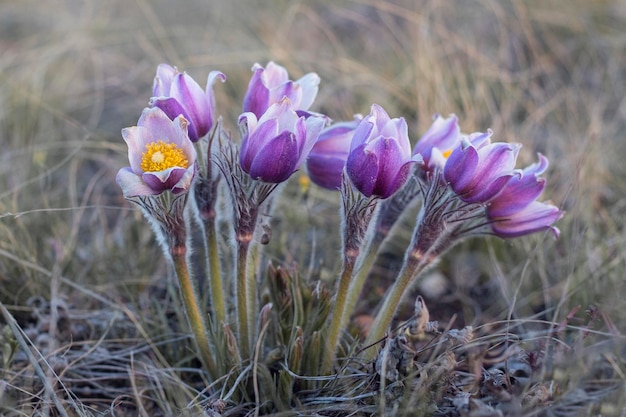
x=380, y=154
x=533, y=218
x=438, y=142
x=330, y=152
x=514, y=211
x=160, y=153
x=177, y=93
x=278, y=143
x=270, y=84
x=477, y=170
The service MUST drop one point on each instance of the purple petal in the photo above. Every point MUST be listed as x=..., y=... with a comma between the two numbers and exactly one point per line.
x=362, y=167
x=362, y=133
x=536, y=217
x=172, y=108
x=257, y=96
x=443, y=134
x=163, y=180
x=460, y=167
x=325, y=170
x=193, y=98
x=255, y=141
x=276, y=161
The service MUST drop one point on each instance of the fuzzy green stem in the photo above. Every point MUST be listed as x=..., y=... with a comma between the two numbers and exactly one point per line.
x=337, y=319
x=414, y=265
x=192, y=308
x=242, y=296
x=358, y=280
x=215, y=272
x=251, y=289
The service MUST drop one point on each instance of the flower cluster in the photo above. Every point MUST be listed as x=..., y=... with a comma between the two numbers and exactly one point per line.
x=468, y=185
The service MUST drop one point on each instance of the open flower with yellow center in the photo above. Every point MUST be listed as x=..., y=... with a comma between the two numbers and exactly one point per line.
x=160, y=153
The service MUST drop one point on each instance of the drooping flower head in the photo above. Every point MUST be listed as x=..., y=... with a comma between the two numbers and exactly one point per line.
x=515, y=211
x=270, y=84
x=177, y=93
x=477, y=170
x=277, y=144
x=160, y=153
x=380, y=158
x=438, y=142
x=328, y=157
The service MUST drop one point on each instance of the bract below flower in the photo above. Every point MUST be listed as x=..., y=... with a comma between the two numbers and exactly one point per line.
x=328, y=157
x=278, y=143
x=477, y=170
x=177, y=93
x=380, y=154
x=438, y=142
x=160, y=153
x=270, y=84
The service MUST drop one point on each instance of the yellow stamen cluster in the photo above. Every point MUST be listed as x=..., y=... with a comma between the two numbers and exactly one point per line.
x=160, y=155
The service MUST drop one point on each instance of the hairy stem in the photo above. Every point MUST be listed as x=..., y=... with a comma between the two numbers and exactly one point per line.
x=192, y=308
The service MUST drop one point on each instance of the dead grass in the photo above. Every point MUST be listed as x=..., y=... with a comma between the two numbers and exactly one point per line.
x=90, y=318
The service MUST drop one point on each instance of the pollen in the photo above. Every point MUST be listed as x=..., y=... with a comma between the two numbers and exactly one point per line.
x=160, y=156
x=447, y=153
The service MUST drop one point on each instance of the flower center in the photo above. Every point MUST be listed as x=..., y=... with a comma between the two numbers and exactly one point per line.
x=160, y=156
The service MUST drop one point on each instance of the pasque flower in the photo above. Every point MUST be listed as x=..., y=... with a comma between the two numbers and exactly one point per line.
x=438, y=142
x=515, y=211
x=160, y=153
x=380, y=154
x=329, y=154
x=270, y=84
x=477, y=170
x=177, y=93
x=276, y=144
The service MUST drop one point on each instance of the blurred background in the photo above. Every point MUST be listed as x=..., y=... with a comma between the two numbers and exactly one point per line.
x=546, y=73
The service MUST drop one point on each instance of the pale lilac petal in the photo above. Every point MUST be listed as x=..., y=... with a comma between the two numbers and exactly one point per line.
x=132, y=184
x=163, y=80
x=193, y=99
x=156, y=121
x=136, y=137
x=274, y=75
x=311, y=128
x=309, y=84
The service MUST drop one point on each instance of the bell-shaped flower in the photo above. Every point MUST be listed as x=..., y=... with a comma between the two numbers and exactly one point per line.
x=380, y=158
x=535, y=217
x=519, y=191
x=515, y=211
x=438, y=142
x=329, y=154
x=477, y=170
x=270, y=84
x=177, y=93
x=277, y=144
x=160, y=153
